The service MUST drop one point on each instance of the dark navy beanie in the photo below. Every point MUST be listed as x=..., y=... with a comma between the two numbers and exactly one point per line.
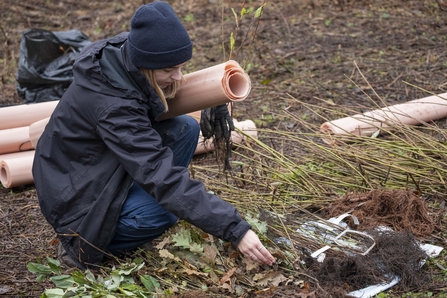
x=157, y=38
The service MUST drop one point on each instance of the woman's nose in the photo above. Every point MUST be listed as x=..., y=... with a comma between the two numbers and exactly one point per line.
x=177, y=75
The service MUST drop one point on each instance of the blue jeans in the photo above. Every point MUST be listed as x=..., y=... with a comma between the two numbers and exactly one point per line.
x=142, y=219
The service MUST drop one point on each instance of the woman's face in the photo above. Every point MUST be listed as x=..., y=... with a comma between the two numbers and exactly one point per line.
x=167, y=76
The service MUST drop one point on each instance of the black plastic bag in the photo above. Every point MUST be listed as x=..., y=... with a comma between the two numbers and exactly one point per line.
x=45, y=68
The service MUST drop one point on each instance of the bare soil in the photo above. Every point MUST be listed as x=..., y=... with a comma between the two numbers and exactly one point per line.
x=301, y=49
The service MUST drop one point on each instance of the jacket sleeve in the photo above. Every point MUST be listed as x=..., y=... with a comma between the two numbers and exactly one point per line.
x=127, y=132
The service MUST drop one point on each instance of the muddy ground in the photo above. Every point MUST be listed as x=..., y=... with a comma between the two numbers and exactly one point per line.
x=311, y=50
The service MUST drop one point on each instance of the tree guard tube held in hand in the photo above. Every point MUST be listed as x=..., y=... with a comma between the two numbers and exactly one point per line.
x=210, y=87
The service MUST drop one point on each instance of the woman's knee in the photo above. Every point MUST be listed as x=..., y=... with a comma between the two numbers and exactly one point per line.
x=193, y=123
x=146, y=227
x=191, y=127
x=142, y=212
x=155, y=225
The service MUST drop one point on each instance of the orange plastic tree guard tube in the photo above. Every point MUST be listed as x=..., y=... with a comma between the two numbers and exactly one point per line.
x=15, y=168
x=210, y=87
x=247, y=126
x=14, y=140
x=35, y=130
x=413, y=112
x=24, y=115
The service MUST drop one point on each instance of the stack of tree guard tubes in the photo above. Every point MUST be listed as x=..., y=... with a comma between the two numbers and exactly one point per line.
x=16, y=150
x=21, y=126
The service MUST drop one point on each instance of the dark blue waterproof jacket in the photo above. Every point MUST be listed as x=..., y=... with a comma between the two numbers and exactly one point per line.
x=100, y=140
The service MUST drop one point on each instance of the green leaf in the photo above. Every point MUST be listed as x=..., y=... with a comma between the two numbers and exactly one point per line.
x=265, y=82
x=232, y=41
x=54, y=293
x=189, y=18
x=138, y=260
x=195, y=248
x=256, y=224
x=89, y=276
x=79, y=277
x=72, y=293
x=38, y=268
x=127, y=293
x=131, y=287
x=182, y=238
x=259, y=11
x=128, y=280
x=375, y=134
x=150, y=283
x=235, y=16
x=54, y=264
x=41, y=277
x=114, y=282
x=63, y=281
x=131, y=270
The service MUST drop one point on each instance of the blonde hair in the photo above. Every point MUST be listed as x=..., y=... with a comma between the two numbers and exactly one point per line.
x=166, y=93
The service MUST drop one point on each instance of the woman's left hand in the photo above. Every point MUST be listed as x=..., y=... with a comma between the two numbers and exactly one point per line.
x=217, y=122
x=252, y=248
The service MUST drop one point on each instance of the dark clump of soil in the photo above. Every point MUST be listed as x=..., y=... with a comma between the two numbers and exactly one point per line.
x=394, y=218
x=395, y=255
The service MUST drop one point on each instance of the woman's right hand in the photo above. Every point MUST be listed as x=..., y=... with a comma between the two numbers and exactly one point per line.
x=251, y=247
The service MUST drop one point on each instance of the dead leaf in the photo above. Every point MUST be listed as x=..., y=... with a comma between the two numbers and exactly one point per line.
x=164, y=253
x=162, y=269
x=195, y=272
x=207, y=237
x=234, y=255
x=209, y=255
x=166, y=240
x=174, y=289
x=271, y=278
x=250, y=264
x=214, y=276
x=268, y=291
x=189, y=265
x=54, y=241
x=227, y=275
x=305, y=287
x=227, y=287
x=5, y=289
